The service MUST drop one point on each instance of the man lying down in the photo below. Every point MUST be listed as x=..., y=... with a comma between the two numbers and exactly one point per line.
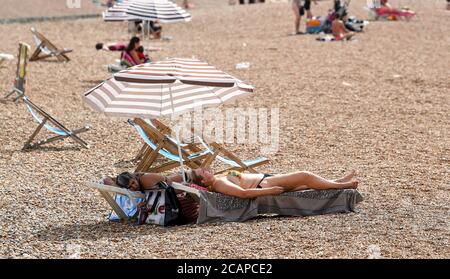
x=237, y=184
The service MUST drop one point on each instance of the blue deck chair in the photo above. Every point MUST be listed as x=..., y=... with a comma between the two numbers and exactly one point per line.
x=48, y=49
x=56, y=127
x=212, y=149
x=230, y=159
x=157, y=144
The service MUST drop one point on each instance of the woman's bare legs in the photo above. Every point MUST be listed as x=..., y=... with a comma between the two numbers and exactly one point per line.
x=298, y=17
x=306, y=180
x=348, y=177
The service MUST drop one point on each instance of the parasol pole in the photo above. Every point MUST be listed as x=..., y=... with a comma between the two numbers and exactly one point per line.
x=177, y=132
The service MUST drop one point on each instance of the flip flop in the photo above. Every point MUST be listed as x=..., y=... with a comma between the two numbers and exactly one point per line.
x=297, y=33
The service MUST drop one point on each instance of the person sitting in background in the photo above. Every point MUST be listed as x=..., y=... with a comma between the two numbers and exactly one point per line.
x=252, y=185
x=155, y=29
x=134, y=53
x=338, y=28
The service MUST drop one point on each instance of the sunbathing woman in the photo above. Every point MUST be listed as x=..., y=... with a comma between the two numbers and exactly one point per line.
x=250, y=185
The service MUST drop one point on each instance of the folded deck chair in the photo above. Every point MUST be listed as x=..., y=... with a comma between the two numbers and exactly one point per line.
x=47, y=49
x=19, y=83
x=156, y=145
x=44, y=120
x=217, y=151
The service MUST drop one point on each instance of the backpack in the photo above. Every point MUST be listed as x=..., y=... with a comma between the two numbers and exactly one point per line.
x=161, y=207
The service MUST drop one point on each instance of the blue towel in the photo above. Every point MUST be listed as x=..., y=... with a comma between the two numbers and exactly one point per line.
x=126, y=205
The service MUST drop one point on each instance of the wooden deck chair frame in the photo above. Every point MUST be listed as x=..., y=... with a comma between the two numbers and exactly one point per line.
x=165, y=130
x=61, y=131
x=108, y=192
x=53, y=51
x=21, y=72
x=216, y=150
x=163, y=146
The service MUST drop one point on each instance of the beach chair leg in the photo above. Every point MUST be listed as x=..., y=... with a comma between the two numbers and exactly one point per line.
x=14, y=91
x=208, y=161
x=141, y=153
x=74, y=136
x=114, y=205
x=27, y=144
x=145, y=163
x=55, y=138
x=36, y=53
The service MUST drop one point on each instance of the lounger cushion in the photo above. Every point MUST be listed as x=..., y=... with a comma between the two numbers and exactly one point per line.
x=216, y=207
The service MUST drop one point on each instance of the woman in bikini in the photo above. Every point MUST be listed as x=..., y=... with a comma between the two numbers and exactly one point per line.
x=251, y=185
x=338, y=28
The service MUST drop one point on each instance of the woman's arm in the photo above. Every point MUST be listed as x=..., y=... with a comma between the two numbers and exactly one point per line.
x=226, y=187
x=135, y=57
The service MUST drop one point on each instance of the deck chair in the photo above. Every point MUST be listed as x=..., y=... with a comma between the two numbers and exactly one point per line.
x=214, y=149
x=157, y=145
x=109, y=193
x=19, y=83
x=60, y=130
x=47, y=49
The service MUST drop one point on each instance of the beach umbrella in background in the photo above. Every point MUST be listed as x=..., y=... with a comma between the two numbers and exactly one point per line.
x=165, y=88
x=117, y=12
x=148, y=10
x=161, y=10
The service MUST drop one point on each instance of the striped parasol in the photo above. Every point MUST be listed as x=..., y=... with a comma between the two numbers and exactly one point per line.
x=117, y=12
x=170, y=87
x=163, y=10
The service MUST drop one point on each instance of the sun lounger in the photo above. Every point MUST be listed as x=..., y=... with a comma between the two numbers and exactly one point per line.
x=124, y=202
x=217, y=207
x=47, y=48
x=19, y=83
x=52, y=125
x=109, y=193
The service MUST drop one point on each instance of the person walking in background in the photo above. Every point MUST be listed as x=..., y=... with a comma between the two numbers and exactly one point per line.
x=300, y=7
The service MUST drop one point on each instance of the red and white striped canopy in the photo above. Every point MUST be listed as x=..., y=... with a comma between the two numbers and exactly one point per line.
x=163, y=10
x=170, y=87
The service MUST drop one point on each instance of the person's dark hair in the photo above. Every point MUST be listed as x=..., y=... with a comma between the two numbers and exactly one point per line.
x=123, y=179
x=196, y=179
x=133, y=43
x=98, y=46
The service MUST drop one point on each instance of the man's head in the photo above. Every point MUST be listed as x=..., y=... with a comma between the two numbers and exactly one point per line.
x=98, y=46
x=128, y=181
x=202, y=177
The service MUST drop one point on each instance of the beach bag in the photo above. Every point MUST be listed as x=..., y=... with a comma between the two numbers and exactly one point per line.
x=161, y=207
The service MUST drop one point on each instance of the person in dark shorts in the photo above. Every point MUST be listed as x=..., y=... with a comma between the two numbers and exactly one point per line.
x=300, y=7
